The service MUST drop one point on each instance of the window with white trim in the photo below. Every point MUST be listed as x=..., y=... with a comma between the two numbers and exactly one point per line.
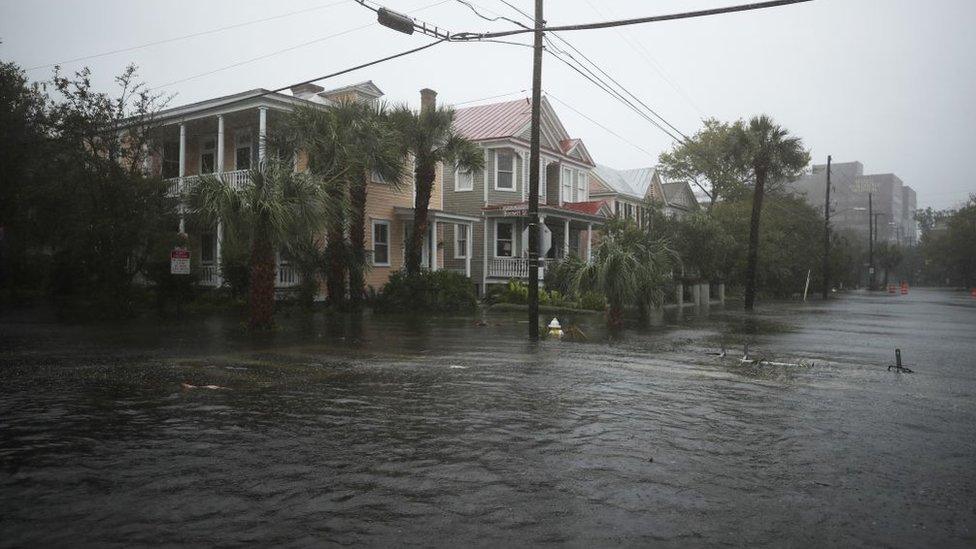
x=503, y=239
x=580, y=186
x=461, y=241
x=208, y=155
x=567, y=184
x=463, y=180
x=504, y=171
x=381, y=243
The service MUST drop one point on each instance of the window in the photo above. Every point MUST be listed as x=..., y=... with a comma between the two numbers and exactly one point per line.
x=242, y=152
x=208, y=247
x=580, y=186
x=463, y=180
x=208, y=156
x=503, y=239
x=504, y=171
x=171, y=159
x=381, y=243
x=567, y=185
x=461, y=241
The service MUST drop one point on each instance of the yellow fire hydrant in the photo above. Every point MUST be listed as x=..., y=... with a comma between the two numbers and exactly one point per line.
x=555, y=330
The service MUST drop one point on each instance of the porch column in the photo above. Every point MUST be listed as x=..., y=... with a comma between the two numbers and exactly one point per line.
x=433, y=246
x=262, y=133
x=182, y=172
x=469, y=251
x=220, y=144
x=565, y=239
x=721, y=293
x=219, y=166
x=589, y=242
x=679, y=294
x=696, y=294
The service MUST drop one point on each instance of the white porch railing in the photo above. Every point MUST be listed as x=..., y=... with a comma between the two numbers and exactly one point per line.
x=208, y=275
x=512, y=267
x=180, y=185
x=287, y=276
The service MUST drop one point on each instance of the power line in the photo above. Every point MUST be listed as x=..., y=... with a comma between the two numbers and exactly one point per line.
x=186, y=36
x=638, y=20
x=642, y=51
x=605, y=74
x=608, y=130
x=489, y=97
x=285, y=50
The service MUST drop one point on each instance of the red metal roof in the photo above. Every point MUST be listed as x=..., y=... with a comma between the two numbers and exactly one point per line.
x=591, y=207
x=493, y=121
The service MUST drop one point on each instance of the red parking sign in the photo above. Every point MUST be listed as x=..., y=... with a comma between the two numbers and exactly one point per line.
x=179, y=261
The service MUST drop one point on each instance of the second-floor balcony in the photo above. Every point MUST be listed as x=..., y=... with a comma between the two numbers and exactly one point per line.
x=180, y=186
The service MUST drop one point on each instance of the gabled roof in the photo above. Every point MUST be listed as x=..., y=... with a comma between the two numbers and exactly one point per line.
x=678, y=194
x=367, y=88
x=633, y=183
x=512, y=120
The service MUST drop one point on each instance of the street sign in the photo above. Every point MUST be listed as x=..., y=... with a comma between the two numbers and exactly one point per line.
x=179, y=261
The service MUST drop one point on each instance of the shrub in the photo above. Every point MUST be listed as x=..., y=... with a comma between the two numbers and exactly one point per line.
x=427, y=291
x=515, y=291
x=593, y=301
x=559, y=275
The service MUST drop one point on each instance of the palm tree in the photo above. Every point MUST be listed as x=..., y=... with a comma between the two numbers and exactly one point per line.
x=630, y=266
x=774, y=156
x=351, y=143
x=274, y=205
x=429, y=138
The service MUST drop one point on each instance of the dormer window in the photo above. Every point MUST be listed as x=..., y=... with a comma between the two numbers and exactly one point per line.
x=504, y=171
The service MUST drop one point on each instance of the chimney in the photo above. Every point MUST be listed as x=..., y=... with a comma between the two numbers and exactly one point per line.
x=305, y=91
x=428, y=99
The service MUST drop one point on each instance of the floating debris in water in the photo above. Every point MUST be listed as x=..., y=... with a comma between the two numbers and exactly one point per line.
x=186, y=387
x=897, y=366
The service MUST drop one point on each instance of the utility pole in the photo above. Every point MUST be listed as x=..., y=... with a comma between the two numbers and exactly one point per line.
x=826, y=257
x=533, y=210
x=870, y=244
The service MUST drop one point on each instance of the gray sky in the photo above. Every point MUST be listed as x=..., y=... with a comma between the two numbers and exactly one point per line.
x=888, y=82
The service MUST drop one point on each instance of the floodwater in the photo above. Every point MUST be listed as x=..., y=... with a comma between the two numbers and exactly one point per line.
x=399, y=431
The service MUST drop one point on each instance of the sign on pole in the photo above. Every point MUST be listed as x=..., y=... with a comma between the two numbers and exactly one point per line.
x=179, y=261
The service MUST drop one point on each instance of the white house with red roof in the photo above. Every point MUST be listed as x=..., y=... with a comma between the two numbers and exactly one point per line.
x=498, y=195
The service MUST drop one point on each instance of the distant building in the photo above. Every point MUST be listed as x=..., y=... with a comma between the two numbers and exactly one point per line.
x=892, y=202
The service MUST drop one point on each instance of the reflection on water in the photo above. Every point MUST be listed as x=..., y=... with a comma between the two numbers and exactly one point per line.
x=393, y=430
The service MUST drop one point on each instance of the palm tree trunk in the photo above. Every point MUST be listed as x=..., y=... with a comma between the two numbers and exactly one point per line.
x=261, y=287
x=424, y=177
x=752, y=260
x=335, y=280
x=615, y=316
x=357, y=241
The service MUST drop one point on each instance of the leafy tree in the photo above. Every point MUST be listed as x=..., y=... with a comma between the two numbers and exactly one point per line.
x=86, y=203
x=629, y=267
x=276, y=204
x=947, y=244
x=429, y=138
x=712, y=160
x=698, y=238
x=889, y=256
x=788, y=244
x=774, y=156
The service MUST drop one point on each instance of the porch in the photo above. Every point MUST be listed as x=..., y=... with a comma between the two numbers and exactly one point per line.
x=449, y=236
x=565, y=231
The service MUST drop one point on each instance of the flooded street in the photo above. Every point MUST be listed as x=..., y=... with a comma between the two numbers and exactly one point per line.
x=443, y=432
